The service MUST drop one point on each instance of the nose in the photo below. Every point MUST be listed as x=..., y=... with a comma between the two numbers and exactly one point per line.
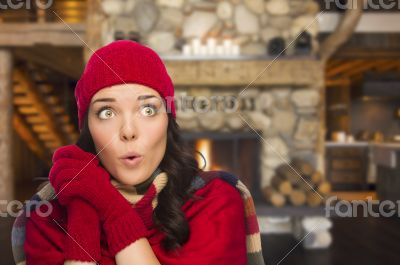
x=128, y=131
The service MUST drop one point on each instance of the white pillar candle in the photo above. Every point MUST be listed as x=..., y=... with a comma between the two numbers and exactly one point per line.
x=219, y=50
x=228, y=46
x=187, y=49
x=211, y=50
x=203, y=50
x=211, y=45
x=196, y=44
x=236, y=49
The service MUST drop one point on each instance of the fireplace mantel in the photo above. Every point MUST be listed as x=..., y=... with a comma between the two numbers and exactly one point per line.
x=298, y=71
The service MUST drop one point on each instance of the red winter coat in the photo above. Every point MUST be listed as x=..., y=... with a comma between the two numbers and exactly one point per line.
x=217, y=231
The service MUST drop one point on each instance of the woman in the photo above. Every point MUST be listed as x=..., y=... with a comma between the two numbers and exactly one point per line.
x=128, y=192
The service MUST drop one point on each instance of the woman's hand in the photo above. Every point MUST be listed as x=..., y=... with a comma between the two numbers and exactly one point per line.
x=77, y=173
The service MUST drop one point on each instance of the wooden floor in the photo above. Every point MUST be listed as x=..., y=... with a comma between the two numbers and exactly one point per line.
x=366, y=241
x=358, y=241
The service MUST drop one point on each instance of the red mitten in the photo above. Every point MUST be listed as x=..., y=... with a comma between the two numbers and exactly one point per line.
x=76, y=173
x=82, y=242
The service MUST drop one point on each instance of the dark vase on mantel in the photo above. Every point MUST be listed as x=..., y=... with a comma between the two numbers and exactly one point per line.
x=276, y=46
x=303, y=45
x=132, y=35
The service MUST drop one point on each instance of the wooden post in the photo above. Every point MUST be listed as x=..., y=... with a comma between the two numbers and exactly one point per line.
x=40, y=13
x=344, y=29
x=6, y=110
x=94, y=20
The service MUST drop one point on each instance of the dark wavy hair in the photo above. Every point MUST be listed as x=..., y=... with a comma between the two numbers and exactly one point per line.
x=181, y=167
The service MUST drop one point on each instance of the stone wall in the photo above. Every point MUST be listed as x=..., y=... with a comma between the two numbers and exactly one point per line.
x=287, y=113
x=166, y=25
x=287, y=120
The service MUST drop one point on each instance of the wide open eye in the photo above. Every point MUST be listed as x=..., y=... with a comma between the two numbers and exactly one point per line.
x=148, y=110
x=105, y=113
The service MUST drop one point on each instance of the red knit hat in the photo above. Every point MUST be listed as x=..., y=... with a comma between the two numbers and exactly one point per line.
x=120, y=62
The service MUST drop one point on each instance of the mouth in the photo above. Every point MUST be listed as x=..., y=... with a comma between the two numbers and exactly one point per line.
x=131, y=160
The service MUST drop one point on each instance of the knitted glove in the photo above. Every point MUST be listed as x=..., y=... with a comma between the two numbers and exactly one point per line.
x=77, y=173
x=83, y=240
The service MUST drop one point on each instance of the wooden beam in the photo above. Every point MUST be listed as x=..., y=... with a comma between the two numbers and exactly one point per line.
x=6, y=173
x=227, y=72
x=94, y=21
x=344, y=29
x=361, y=69
x=393, y=65
x=367, y=53
x=333, y=63
x=338, y=82
x=346, y=66
x=65, y=60
x=30, y=34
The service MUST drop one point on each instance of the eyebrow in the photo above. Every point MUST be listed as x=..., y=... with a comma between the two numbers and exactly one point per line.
x=142, y=97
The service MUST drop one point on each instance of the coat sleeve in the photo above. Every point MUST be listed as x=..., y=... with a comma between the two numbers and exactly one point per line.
x=44, y=239
x=217, y=224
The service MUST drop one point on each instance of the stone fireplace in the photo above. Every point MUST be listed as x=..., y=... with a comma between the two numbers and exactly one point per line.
x=279, y=116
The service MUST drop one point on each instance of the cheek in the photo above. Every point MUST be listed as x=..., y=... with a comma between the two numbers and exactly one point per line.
x=102, y=137
x=157, y=139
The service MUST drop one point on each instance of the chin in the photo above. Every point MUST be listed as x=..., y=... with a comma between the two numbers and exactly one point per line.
x=130, y=180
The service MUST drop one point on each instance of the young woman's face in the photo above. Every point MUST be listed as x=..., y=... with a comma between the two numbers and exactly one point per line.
x=129, y=118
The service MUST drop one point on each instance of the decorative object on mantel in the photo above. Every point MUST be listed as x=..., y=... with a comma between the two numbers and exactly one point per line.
x=276, y=46
x=119, y=35
x=135, y=36
x=303, y=45
x=196, y=47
